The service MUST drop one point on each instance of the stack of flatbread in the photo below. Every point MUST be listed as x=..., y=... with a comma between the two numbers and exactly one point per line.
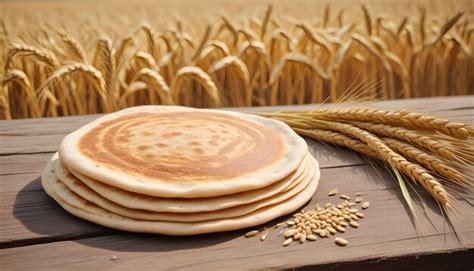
x=181, y=171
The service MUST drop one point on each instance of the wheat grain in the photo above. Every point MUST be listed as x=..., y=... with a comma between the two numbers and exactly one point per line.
x=341, y=241
x=251, y=233
x=333, y=192
x=287, y=241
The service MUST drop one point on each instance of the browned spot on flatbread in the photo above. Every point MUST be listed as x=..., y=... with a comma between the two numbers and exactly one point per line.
x=123, y=139
x=212, y=142
x=194, y=143
x=149, y=155
x=143, y=147
x=198, y=150
x=161, y=145
x=171, y=134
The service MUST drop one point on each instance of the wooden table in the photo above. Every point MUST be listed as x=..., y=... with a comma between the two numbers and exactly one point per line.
x=37, y=234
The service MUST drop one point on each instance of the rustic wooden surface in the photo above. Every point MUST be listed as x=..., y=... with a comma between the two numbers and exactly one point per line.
x=35, y=233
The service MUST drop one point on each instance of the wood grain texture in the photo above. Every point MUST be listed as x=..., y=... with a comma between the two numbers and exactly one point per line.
x=37, y=233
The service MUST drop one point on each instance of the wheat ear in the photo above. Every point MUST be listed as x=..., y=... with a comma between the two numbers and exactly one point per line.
x=338, y=139
x=400, y=118
x=428, y=161
x=415, y=138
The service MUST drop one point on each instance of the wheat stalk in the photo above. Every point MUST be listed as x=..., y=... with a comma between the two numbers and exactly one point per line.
x=153, y=78
x=426, y=160
x=105, y=61
x=401, y=118
x=18, y=76
x=234, y=65
x=338, y=139
x=415, y=138
x=20, y=49
x=125, y=44
x=200, y=77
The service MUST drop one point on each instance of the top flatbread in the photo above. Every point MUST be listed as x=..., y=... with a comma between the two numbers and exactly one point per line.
x=171, y=151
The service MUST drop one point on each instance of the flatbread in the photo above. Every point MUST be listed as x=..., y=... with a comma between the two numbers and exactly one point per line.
x=69, y=184
x=179, y=205
x=171, y=151
x=80, y=207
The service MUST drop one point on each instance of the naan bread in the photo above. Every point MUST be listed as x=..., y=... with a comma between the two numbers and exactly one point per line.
x=180, y=205
x=68, y=184
x=80, y=207
x=170, y=151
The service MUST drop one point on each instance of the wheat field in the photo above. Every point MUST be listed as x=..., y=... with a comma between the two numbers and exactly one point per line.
x=80, y=57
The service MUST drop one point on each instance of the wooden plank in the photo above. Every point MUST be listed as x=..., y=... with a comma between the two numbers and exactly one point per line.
x=385, y=232
x=23, y=164
x=129, y=252
x=28, y=215
x=21, y=136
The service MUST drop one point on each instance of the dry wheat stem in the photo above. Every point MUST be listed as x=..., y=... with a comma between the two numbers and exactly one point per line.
x=415, y=138
x=338, y=139
x=26, y=50
x=399, y=118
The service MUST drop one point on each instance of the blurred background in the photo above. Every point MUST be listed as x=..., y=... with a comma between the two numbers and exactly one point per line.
x=61, y=58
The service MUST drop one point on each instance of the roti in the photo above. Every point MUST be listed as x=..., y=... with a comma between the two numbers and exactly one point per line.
x=179, y=152
x=69, y=184
x=82, y=208
x=180, y=205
